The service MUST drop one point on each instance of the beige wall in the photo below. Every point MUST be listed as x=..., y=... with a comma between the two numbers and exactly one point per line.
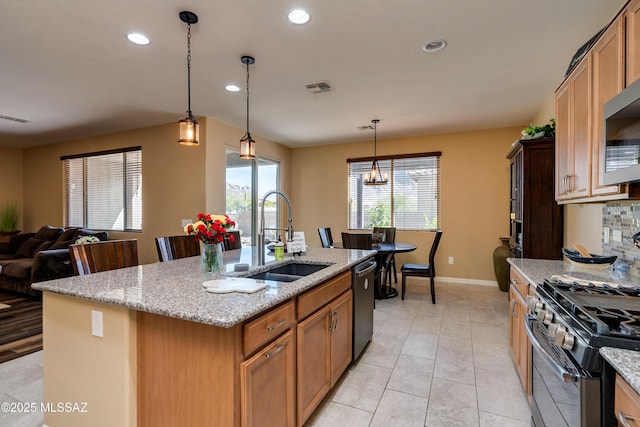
x=11, y=179
x=474, y=203
x=178, y=181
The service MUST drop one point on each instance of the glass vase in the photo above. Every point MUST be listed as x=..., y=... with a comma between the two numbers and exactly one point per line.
x=211, y=257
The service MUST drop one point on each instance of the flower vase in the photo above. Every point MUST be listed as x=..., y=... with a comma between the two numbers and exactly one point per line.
x=211, y=257
x=500, y=265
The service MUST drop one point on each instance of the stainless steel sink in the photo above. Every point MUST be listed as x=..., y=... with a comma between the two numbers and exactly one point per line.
x=288, y=272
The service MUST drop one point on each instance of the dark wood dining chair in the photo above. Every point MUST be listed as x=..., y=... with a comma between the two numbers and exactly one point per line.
x=356, y=241
x=325, y=237
x=228, y=245
x=176, y=247
x=103, y=256
x=388, y=236
x=423, y=270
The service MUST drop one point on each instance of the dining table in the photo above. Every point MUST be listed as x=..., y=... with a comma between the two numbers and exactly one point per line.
x=385, y=253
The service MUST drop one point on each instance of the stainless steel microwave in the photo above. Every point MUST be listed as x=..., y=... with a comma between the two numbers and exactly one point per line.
x=622, y=136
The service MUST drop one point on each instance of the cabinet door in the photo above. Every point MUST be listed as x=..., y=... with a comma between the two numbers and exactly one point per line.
x=314, y=361
x=514, y=328
x=580, y=131
x=341, y=335
x=562, y=141
x=633, y=41
x=608, y=81
x=268, y=385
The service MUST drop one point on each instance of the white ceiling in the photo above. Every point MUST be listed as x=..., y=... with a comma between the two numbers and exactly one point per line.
x=67, y=66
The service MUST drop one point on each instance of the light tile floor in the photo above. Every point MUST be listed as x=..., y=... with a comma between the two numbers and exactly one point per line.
x=446, y=364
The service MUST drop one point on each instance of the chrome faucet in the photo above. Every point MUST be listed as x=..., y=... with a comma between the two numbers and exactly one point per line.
x=288, y=229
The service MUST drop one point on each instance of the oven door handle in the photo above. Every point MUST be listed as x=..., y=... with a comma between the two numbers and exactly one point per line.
x=565, y=375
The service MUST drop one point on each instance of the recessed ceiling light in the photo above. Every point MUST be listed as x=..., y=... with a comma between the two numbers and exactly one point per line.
x=232, y=88
x=434, y=46
x=138, y=38
x=299, y=16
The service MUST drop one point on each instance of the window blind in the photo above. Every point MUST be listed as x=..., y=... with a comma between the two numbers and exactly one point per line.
x=410, y=201
x=103, y=190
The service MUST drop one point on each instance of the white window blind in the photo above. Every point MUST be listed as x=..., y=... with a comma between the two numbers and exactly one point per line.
x=410, y=201
x=103, y=191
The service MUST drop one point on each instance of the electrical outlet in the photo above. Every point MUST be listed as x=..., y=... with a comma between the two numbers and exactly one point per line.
x=450, y=260
x=605, y=235
x=617, y=235
x=96, y=323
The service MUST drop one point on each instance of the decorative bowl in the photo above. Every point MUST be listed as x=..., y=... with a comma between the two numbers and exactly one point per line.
x=596, y=261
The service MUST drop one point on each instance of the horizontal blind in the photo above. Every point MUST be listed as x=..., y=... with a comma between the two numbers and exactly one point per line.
x=103, y=191
x=410, y=201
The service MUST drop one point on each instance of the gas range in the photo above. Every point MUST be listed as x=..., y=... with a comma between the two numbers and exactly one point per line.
x=581, y=316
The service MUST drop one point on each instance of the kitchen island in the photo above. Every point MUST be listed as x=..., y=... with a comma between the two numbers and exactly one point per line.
x=148, y=345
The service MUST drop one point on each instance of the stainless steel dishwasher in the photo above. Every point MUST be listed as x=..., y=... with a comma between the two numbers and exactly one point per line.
x=363, y=286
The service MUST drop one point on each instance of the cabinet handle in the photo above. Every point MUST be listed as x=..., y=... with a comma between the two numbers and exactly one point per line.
x=564, y=181
x=278, y=349
x=622, y=417
x=335, y=316
x=334, y=321
x=276, y=326
x=513, y=308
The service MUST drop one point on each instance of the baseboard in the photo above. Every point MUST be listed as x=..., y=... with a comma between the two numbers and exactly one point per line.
x=467, y=281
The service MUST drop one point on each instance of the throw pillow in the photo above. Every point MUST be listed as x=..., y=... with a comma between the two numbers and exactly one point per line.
x=27, y=249
x=67, y=235
x=60, y=244
x=48, y=232
x=43, y=247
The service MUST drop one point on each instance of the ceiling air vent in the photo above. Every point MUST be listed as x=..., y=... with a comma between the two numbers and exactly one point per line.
x=319, y=87
x=14, y=119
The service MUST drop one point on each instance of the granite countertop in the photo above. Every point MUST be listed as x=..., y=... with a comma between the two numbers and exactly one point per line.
x=626, y=363
x=536, y=270
x=174, y=288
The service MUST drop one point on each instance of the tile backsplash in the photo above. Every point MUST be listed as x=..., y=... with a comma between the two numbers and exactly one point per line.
x=625, y=217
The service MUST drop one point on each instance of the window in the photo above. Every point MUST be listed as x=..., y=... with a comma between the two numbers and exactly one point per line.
x=103, y=190
x=247, y=182
x=410, y=201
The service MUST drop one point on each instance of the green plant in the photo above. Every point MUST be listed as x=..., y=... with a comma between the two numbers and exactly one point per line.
x=546, y=131
x=380, y=216
x=9, y=217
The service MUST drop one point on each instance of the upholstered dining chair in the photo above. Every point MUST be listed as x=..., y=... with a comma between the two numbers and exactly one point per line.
x=388, y=236
x=176, y=247
x=325, y=237
x=228, y=245
x=103, y=256
x=356, y=241
x=423, y=270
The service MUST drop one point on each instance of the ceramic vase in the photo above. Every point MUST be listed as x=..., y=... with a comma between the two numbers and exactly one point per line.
x=211, y=257
x=500, y=264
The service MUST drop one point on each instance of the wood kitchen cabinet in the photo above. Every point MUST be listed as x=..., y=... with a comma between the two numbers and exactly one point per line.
x=519, y=344
x=626, y=403
x=573, y=141
x=536, y=220
x=324, y=344
x=580, y=137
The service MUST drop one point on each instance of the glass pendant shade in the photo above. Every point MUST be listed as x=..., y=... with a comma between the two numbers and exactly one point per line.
x=189, y=130
x=247, y=147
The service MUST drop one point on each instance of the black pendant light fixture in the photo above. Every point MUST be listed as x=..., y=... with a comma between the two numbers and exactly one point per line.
x=375, y=176
x=247, y=144
x=189, y=129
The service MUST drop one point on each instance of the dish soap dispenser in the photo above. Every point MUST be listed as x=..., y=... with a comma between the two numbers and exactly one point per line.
x=279, y=249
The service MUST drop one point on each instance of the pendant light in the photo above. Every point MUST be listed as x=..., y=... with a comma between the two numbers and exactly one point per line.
x=189, y=129
x=247, y=144
x=375, y=177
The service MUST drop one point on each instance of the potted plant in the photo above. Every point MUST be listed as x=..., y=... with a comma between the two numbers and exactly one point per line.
x=8, y=222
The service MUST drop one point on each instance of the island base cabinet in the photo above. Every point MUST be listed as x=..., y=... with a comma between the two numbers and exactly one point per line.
x=324, y=352
x=268, y=385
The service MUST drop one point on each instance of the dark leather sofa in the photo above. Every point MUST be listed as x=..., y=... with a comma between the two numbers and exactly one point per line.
x=35, y=257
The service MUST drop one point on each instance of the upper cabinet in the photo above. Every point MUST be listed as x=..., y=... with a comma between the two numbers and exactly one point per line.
x=580, y=139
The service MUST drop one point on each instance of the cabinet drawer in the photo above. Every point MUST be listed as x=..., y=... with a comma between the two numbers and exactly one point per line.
x=518, y=282
x=321, y=295
x=268, y=326
x=627, y=402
